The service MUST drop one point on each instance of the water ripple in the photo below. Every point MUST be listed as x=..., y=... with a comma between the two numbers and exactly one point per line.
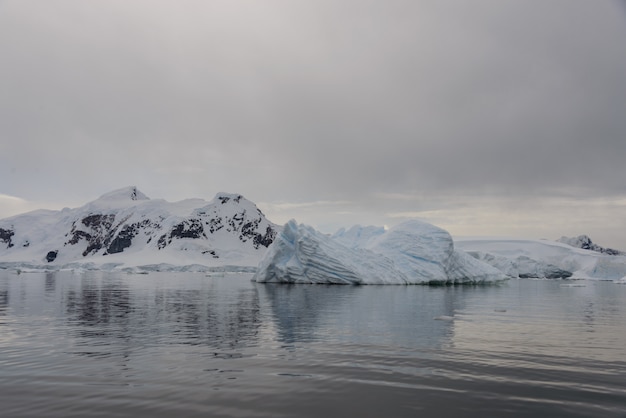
x=191, y=345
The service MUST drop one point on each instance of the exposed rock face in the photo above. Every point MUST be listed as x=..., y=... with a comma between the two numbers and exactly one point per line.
x=51, y=256
x=124, y=238
x=94, y=229
x=189, y=228
x=258, y=239
x=5, y=236
x=584, y=242
x=127, y=220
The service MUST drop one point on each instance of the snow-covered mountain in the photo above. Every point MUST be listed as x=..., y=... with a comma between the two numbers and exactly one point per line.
x=412, y=252
x=125, y=228
x=584, y=242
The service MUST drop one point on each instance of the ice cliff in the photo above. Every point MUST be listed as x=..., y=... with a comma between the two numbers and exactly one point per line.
x=413, y=252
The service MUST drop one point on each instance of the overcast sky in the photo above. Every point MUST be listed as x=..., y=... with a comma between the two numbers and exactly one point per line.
x=485, y=117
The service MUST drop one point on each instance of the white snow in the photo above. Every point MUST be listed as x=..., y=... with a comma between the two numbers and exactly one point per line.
x=413, y=252
x=223, y=235
x=505, y=254
x=223, y=244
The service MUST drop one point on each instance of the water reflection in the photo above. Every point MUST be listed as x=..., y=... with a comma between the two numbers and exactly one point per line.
x=50, y=283
x=191, y=345
x=297, y=309
x=110, y=312
x=398, y=315
x=543, y=319
x=4, y=297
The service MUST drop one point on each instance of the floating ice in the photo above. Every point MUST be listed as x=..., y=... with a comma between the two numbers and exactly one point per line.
x=413, y=252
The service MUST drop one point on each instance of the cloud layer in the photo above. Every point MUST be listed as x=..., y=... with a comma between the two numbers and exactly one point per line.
x=377, y=108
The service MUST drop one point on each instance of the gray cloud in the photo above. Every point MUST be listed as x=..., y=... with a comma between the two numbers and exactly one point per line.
x=308, y=101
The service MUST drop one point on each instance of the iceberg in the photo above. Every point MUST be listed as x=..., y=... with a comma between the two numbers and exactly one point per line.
x=358, y=236
x=413, y=252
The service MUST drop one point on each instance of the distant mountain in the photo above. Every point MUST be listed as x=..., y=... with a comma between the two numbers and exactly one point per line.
x=126, y=228
x=584, y=242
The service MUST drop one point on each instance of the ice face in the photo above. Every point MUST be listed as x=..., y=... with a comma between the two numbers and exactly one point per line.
x=301, y=254
x=411, y=253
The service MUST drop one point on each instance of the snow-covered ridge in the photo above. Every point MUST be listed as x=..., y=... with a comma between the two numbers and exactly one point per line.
x=584, y=242
x=413, y=252
x=125, y=228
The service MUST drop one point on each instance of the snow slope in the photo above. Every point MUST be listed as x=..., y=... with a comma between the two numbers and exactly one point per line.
x=510, y=255
x=413, y=252
x=126, y=229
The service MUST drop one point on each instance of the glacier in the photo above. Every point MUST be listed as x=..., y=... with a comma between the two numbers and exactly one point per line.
x=541, y=258
x=412, y=252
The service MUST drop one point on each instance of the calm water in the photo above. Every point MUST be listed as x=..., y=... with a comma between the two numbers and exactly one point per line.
x=115, y=345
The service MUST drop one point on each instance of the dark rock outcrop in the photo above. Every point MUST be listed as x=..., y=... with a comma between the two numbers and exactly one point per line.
x=123, y=240
x=584, y=242
x=51, y=256
x=97, y=235
x=5, y=236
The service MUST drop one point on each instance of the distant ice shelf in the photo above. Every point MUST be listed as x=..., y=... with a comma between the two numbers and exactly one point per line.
x=544, y=259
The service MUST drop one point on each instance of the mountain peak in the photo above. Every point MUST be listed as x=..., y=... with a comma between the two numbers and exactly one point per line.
x=126, y=193
x=584, y=242
x=224, y=198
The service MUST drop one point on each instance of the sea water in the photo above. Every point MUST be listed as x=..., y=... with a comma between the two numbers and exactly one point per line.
x=186, y=344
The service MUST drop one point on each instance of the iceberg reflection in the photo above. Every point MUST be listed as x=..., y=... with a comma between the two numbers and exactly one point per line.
x=379, y=315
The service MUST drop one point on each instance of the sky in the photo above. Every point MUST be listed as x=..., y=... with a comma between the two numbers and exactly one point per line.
x=485, y=117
